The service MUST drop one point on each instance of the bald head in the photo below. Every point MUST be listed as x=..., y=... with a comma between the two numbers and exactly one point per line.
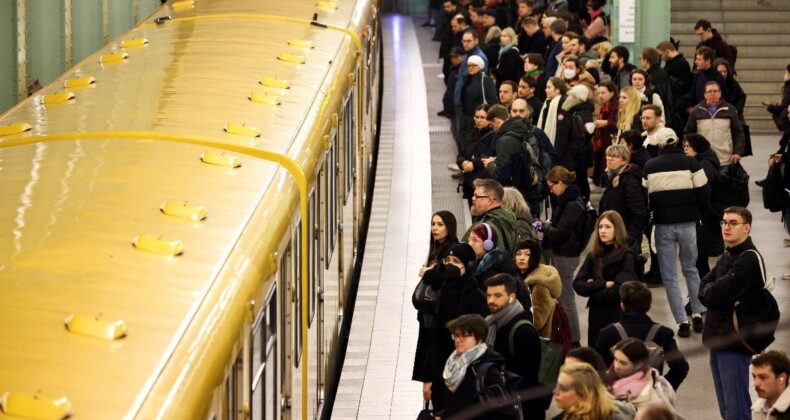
x=520, y=109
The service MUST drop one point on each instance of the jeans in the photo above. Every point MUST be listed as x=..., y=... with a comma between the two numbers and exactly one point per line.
x=731, y=378
x=668, y=237
x=567, y=266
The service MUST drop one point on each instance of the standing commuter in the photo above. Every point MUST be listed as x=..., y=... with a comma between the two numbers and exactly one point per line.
x=718, y=122
x=544, y=284
x=678, y=192
x=770, y=371
x=738, y=275
x=512, y=335
x=625, y=194
x=635, y=303
x=487, y=208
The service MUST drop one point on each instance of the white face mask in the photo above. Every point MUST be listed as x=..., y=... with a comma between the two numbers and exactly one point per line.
x=569, y=74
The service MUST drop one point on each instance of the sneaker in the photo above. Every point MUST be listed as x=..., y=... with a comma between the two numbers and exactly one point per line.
x=453, y=167
x=786, y=276
x=696, y=322
x=441, y=113
x=787, y=242
x=684, y=330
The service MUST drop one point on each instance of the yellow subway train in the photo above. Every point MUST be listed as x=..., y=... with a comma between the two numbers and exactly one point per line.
x=180, y=215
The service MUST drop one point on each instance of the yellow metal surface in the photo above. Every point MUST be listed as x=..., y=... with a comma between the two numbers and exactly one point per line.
x=95, y=326
x=265, y=98
x=301, y=43
x=115, y=56
x=14, y=128
x=221, y=159
x=78, y=82
x=27, y=406
x=84, y=182
x=274, y=82
x=158, y=245
x=184, y=210
x=242, y=130
x=55, y=98
x=134, y=42
x=291, y=58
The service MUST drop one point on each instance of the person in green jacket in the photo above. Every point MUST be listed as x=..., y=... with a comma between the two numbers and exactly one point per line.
x=487, y=208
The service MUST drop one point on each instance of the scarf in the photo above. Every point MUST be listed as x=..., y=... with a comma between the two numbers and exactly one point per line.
x=505, y=48
x=614, y=173
x=536, y=73
x=550, y=125
x=501, y=318
x=631, y=385
x=455, y=368
x=595, y=14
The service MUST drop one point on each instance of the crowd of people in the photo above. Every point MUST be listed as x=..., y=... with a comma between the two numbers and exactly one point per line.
x=545, y=111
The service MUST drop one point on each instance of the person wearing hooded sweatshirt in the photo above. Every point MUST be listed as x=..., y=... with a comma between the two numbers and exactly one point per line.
x=459, y=296
x=562, y=234
x=709, y=242
x=544, y=284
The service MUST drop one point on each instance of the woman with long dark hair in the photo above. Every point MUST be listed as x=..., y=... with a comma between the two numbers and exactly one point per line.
x=610, y=263
x=444, y=234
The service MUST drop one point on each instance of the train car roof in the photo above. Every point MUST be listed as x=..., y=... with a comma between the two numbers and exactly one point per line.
x=69, y=209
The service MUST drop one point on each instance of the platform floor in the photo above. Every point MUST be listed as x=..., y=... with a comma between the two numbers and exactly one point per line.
x=416, y=147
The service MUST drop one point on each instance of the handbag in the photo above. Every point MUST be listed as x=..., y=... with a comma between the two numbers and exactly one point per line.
x=756, y=325
x=425, y=297
x=426, y=413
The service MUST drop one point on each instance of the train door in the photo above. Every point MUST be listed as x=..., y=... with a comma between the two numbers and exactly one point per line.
x=285, y=327
x=315, y=303
x=264, y=402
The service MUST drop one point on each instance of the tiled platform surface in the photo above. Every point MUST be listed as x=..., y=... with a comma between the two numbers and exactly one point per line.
x=415, y=147
x=376, y=379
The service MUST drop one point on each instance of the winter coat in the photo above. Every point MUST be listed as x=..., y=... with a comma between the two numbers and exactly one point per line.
x=524, y=228
x=585, y=108
x=736, y=95
x=562, y=235
x=524, y=361
x=736, y=277
x=551, y=58
x=604, y=302
x=677, y=188
x=473, y=94
x=662, y=85
x=626, y=195
x=781, y=107
x=475, y=147
x=779, y=411
x=509, y=168
x=545, y=287
x=447, y=98
x=696, y=93
x=709, y=241
x=640, y=157
x=463, y=74
x=722, y=129
x=657, y=390
x=535, y=44
x=680, y=76
x=719, y=46
x=465, y=396
x=638, y=325
x=509, y=67
x=623, y=77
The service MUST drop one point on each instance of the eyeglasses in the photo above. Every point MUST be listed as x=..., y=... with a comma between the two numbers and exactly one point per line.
x=731, y=223
x=478, y=197
x=461, y=336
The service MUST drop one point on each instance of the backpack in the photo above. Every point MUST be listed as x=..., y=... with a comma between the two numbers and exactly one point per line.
x=580, y=144
x=551, y=355
x=502, y=394
x=561, y=329
x=731, y=188
x=755, y=320
x=590, y=220
x=655, y=352
x=773, y=189
x=532, y=180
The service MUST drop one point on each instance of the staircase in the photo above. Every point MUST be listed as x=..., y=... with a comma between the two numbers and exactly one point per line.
x=759, y=29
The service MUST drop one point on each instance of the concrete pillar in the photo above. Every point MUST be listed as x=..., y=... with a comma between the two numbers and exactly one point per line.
x=637, y=24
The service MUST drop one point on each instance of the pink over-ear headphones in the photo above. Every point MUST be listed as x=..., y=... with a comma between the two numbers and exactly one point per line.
x=488, y=244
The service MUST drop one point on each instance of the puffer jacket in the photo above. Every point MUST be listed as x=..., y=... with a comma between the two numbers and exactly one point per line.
x=626, y=195
x=722, y=129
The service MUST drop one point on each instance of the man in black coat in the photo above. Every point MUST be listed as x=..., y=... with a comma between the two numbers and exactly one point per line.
x=677, y=68
x=651, y=62
x=737, y=277
x=705, y=73
x=618, y=59
x=511, y=334
x=635, y=303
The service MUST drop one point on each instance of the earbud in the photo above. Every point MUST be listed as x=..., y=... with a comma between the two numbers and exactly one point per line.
x=510, y=300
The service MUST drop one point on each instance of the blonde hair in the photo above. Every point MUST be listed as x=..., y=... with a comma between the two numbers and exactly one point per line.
x=595, y=401
x=625, y=116
x=514, y=201
x=512, y=34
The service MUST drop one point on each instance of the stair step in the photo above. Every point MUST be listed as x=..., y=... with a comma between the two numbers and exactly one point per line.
x=730, y=5
x=716, y=17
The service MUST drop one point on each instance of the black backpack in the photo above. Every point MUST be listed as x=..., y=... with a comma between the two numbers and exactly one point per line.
x=500, y=394
x=590, y=220
x=731, y=188
x=581, y=146
x=773, y=189
x=531, y=180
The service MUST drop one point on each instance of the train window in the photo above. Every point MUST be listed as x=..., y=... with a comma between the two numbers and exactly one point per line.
x=264, y=360
x=233, y=388
x=330, y=180
x=297, y=287
x=312, y=251
x=349, y=142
